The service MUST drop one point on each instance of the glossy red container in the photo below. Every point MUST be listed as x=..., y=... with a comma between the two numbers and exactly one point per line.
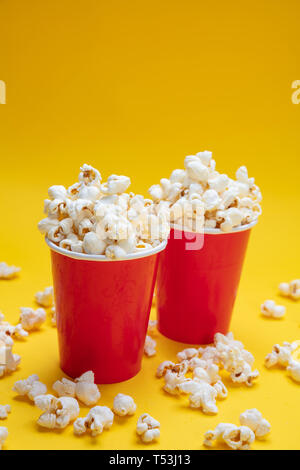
x=196, y=287
x=103, y=311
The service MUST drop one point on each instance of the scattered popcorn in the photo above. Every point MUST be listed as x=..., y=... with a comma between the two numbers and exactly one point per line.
x=101, y=219
x=32, y=319
x=281, y=355
x=124, y=405
x=11, y=360
x=45, y=297
x=237, y=438
x=16, y=332
x=255, y=421
x=294, y=370
x=199, y=196
x=150, y=345
x=187, y=354
x=98, y=419
x=4, y=410
x=148, y=428
x=8, y=272
x=163, y=367
x=3, y=436
x=271, y=310
x=31, y=387
x=290, y=289
x=152, y=327
x=84, y=388
x=58, y=412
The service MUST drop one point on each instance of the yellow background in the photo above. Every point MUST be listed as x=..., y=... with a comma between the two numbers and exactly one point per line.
x=131, y=87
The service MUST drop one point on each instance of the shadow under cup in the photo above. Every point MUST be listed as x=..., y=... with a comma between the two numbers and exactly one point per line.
x=103, y=309
x=197, y=283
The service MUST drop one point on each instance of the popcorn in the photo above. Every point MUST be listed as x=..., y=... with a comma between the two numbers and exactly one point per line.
x=3, y=436
x=152, y=327
x=201, y=395
x=187, y=354
x=271, y=310
x=31, y=387
x=201, y=194
x=16, y=332
x=237, y=438
x=58, y=412
x=124, y=405
x=281, y=355
x=32, y=319
x=101, y=219
x=174, y=376
x=255, y=421
x=150, y=345
x=8, y=272
x=98, y=419
x=290, y=289
x=11, y=360
x=53, y=316
x=84, y=388
x=4, y=410
x=148, y=428
x=294, y=370
x=45, y=298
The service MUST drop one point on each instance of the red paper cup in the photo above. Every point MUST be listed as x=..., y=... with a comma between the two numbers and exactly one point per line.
x=196, y=288
x=103, y=311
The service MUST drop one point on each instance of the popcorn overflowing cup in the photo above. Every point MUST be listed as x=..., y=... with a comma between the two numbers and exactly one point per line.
x=104, y=246
x=199, y=272
x=196, y=288
x=103, y=311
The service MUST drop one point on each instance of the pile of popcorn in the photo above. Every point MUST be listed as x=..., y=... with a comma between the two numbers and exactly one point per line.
x=201, y=196
x=101, y=218
x=206, y=386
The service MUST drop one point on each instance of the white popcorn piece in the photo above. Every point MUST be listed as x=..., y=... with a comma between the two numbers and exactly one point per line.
x=174, y=376
x=235, y=437
x=11, y=360
x=148, y=428
x=92, y=244
x=58, y=412
x=8, y=272
x=45, y=297
x=294, y=370
x=84, y=388
x=290, y=289
x=32, y=319
x=201, y=395
x=150, y=345
x=116, y=185
x=98, y=419
x=281, y=355
x=271, y=310
x=152, y=327
x=53, y=316
x=4, y=411
x=15, y=331
x=163, y=367
x=3, y=436
x=255, y=421
x=187, y=354
x=30, y=387
x=89, y=175
x=124, y=405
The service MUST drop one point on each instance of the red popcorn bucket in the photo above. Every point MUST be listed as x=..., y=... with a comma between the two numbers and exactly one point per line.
x=102, y=309
x=197, y=282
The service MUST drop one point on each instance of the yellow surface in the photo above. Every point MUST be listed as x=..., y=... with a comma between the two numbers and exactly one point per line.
x=132, y=87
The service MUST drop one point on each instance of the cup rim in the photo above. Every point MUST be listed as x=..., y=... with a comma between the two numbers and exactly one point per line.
x=218, y=231
x=87, y=257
